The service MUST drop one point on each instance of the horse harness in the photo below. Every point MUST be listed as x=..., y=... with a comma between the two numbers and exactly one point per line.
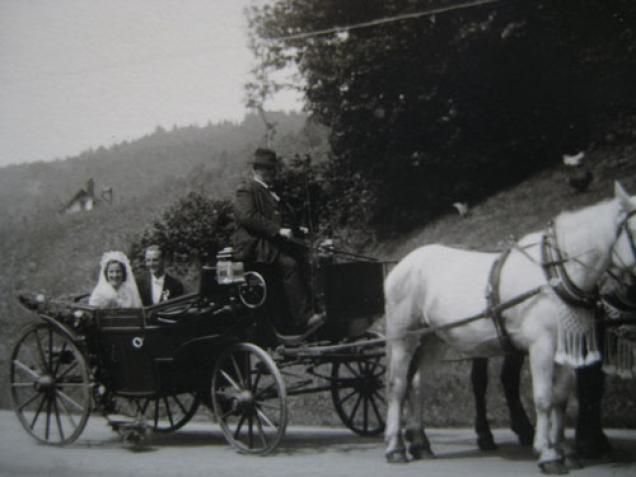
x=552, y=262
x=493, y=298
x=624, y=227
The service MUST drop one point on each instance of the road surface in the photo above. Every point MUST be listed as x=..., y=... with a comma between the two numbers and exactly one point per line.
x=200, y=450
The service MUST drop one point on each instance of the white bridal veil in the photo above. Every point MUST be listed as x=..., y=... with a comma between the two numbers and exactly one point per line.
x=105, y=296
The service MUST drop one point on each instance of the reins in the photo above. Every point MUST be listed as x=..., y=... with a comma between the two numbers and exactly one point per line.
x=427, y=330
x=329, y=249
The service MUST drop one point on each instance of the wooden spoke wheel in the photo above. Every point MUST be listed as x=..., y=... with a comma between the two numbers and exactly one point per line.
x=51, y=391
x=358, y=393
x=164, y=413
x=249, y=399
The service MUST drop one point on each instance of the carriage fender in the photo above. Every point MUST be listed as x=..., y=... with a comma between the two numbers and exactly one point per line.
x=59, y=326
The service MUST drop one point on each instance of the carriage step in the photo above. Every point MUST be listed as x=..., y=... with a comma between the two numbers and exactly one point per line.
x=296, y=340
x=131, y=431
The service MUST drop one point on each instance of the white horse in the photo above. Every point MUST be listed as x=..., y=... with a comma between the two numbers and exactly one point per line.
x=435, y=286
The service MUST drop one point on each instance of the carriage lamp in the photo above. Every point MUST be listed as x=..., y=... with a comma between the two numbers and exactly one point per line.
x=228, y=271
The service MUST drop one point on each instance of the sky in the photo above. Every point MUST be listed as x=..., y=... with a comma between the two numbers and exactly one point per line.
x=78, y=74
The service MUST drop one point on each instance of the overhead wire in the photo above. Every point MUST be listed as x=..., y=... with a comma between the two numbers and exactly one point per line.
x=382, y=21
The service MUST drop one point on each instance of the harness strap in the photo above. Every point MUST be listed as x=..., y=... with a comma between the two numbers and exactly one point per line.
x=493, y=299
x=624, y=225
x=552, y=262
x=418, y=332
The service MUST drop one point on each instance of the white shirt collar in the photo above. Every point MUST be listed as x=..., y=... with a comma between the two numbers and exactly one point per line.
x=156, y=285
x=260, y=181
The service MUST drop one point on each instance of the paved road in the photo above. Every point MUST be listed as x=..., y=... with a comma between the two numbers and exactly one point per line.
x=200, y=450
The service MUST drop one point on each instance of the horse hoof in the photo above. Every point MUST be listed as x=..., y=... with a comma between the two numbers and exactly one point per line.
x=572, y=462
x=421, y=452
x=596, y=448
x=396, y=457
x=525, y=434
x=487, y=443
x=553, y=467
x=526, y=439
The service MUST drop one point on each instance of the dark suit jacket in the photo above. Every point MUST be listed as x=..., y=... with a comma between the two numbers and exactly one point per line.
x=259, y=217
x=171, y=285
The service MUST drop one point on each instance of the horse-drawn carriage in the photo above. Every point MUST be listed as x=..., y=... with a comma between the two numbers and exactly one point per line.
x=220, y=347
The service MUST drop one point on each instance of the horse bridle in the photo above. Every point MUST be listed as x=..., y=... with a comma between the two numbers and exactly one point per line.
x=624, y=227
x=553, y=263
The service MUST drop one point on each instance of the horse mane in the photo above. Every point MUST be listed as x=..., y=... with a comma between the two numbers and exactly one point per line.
x=585, y=221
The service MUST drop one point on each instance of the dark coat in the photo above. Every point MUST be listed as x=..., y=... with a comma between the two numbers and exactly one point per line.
x=259, y=217
x=171, y=287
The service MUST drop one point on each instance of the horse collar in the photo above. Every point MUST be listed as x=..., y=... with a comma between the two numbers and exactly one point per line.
x=553, y=263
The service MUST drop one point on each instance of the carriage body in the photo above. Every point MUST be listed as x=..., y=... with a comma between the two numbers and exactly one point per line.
x=158, y=363
x=137, y=356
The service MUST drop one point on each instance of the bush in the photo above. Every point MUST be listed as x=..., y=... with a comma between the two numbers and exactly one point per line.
x=190, y=232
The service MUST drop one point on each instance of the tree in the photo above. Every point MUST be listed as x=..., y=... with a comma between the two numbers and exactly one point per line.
x=429, y=110
x=191, y=231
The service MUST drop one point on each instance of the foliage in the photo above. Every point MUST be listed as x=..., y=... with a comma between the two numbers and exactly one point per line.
x=427, y=111
x=190, y=231
x=317, y=192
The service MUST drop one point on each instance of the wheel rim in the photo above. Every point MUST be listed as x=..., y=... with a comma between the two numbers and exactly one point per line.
x=358, y=393
x=249, y=399
x=170, y=412
x=50, y=387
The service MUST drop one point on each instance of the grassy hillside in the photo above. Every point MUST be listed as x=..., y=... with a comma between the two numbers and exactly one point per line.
x=490, y=225
x=58, y=254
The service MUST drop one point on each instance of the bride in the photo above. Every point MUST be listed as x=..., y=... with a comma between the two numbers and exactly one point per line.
x=116, y=286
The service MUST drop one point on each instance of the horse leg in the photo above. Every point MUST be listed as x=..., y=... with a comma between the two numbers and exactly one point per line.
x=542, y=368
x=591, y=441
x=511, y=381
x=400, y=354
x=479, y=380
x=563, y=383
x=418, y=444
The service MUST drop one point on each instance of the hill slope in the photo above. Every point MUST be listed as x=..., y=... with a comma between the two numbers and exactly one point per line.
x=214, y=153
x=59, y=254
x=490, y=226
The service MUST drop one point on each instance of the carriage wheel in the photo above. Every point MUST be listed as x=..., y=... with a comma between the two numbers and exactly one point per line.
x=170, y=412
x=358, y=392
x=249, y=398
x=50, y=388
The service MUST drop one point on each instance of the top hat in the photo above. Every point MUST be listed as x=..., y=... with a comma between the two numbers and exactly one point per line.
x=265, y=158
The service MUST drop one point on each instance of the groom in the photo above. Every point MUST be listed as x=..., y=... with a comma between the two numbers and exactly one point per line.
x=157, y=286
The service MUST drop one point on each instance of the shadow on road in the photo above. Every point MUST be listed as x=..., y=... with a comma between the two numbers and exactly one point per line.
x=447, y=446
x=298, y=442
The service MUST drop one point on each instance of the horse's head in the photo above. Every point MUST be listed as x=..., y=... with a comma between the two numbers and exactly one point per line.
x=624, y=249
